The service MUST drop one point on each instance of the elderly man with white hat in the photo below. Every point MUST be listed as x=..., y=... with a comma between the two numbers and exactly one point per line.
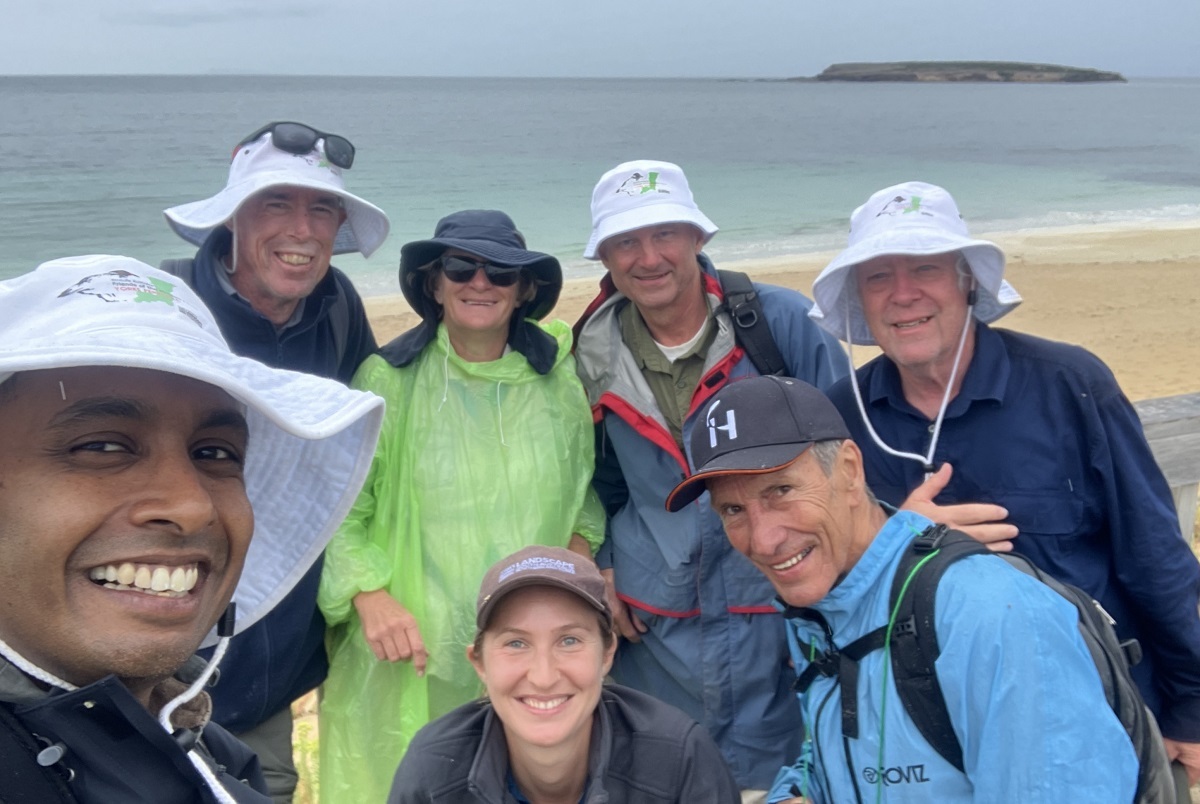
x=148, y=476
x=700, y=629
x=956, y=412
x=263, y=268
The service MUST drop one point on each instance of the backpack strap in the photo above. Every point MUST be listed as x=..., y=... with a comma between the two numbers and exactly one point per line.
x=914, y=642
x=914, y=636
x=184, y=268
x=749, y=324
x=23, y=779
x=842, y=663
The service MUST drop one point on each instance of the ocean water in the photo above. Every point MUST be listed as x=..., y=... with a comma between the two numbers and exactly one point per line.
x=87, y=164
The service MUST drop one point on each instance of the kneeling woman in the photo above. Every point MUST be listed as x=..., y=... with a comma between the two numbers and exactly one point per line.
x=550, y=730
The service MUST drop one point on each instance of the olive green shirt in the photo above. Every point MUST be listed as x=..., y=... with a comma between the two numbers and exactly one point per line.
x=673, y=384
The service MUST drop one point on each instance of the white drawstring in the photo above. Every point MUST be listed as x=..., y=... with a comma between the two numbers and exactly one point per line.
x=214, y=784
x=219, y=792
x=232, y=267
x=164, y=716
x=31, y=669
x=446, y=394
x=926, y=461
x=445, y=379
x=500, y=415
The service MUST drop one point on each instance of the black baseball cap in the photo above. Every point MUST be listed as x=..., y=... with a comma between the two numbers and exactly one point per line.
x=756, y=426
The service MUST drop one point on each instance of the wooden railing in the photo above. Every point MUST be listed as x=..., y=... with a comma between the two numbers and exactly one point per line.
x=1172, y=425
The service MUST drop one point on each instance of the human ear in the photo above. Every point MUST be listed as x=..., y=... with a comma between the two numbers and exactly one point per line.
x=438, y=281
x=476, y=662
x=610, y=650
x=848, y=468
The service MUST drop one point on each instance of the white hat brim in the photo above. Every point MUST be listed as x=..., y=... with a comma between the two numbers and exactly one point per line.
x=364, y=230
x=835, y=294
x=311, y=439
x=647, y=215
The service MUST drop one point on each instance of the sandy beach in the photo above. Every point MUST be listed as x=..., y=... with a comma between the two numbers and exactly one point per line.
x=1131, y=295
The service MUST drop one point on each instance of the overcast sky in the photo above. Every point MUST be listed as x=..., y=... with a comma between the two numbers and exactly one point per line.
x=589, y=38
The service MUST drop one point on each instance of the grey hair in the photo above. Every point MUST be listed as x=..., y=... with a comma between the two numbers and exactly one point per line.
x=825, y=454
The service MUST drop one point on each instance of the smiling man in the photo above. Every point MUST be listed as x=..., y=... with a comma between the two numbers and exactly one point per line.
x=1023, y=694
x=140, y=458
x=264, y=270
x=699, y=629
x=1038, y=427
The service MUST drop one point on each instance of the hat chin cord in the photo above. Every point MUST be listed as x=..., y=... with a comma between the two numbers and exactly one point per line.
x=32, y=670
x=233, y=252
x=225, y=630
x=926, y=460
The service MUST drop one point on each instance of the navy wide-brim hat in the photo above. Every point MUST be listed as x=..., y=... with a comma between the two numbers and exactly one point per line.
x=490, y=235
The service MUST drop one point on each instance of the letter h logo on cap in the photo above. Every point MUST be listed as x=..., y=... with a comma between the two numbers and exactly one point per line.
x=730, y=426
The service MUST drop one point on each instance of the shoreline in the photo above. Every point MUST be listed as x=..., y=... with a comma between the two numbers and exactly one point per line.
x=1127, y=292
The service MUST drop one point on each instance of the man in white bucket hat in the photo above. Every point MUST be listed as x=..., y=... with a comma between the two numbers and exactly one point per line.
x=700, y=631
x=266, y=241
x=263, y=268
x=1037, y=430
x=140, y=455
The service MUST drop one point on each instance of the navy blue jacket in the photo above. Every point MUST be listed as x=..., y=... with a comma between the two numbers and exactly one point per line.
x=1042, y=429
x=115, y=752
x=282, y=656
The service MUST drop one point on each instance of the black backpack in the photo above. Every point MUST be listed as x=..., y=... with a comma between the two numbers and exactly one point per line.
x=914, y=650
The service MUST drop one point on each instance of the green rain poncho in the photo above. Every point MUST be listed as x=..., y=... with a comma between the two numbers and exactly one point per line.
x=476, y=460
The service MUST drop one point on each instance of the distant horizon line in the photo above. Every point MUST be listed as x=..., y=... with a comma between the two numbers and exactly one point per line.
x=216, y=74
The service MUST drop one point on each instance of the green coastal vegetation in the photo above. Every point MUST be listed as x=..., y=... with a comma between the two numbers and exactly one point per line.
x=970, y=71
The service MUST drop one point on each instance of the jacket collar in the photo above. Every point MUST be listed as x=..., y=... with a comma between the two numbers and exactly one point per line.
x=488, y=777
x=985, y=378
x=18, y=688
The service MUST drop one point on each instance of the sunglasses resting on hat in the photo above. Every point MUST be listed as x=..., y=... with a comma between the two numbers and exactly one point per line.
x=462, y=269
x=300, y=139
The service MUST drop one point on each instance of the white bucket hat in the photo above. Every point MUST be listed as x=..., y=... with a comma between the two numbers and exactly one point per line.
x=311, y=439
x=259, y=165
x=910, y=218
x=645, y=192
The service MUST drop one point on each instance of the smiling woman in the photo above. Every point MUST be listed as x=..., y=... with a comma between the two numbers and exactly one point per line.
x=488, y=448
x=550, y=730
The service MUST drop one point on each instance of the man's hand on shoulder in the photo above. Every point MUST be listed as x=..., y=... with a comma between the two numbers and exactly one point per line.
x=1188, y=755
x=983, y=522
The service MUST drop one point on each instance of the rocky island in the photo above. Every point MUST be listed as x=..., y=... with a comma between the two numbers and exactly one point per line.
x=979, y=71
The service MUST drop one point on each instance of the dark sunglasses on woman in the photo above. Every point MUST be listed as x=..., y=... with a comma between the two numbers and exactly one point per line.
x=462, y=270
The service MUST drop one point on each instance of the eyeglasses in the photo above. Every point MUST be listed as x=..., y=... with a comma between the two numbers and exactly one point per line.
x=462, y=270
x=299, y=139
